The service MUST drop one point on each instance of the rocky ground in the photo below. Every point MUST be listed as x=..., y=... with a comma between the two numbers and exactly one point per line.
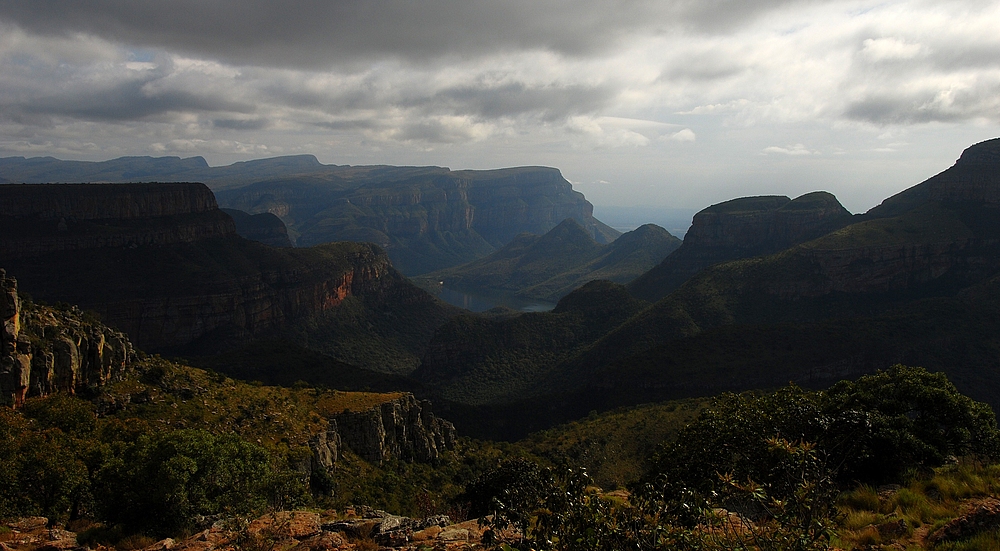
x=361, y=529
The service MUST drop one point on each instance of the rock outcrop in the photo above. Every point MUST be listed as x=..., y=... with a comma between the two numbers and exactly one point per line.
x=46, y=350
x=404, y=428
x=742, y=228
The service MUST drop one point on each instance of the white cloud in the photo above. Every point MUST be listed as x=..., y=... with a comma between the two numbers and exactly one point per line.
x=797, y=149
x=686, y=135
x=878, y=49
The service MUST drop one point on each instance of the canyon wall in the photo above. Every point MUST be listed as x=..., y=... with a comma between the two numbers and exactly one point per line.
x=38, y=219
x=163, y=264
x=427, y=218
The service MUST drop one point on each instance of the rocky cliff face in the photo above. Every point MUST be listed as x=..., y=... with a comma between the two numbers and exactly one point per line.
x=427, y=218
x=38, y=219
x=44, y=350
x=742, y=228
x=404, y=427
x=162, y=263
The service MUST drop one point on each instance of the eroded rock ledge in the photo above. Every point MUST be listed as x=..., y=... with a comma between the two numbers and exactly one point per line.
x=405, y=428
x=47, y=350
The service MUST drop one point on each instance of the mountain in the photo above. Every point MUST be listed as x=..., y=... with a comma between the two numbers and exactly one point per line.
x=916, y=281
x=163, y=264
x=549, y=266
x=742, y=228
x=427, y=218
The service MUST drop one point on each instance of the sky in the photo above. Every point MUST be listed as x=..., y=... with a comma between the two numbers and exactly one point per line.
x=661, y=103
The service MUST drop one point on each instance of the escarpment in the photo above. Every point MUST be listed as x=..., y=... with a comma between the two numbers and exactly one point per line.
x=427, y=218
x=38, y=219
x=742, y=228
x=404, y=428
x=46, y=350
x=163, y=264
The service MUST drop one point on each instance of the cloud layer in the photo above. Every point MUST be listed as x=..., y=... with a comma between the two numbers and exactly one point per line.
x=629, y=87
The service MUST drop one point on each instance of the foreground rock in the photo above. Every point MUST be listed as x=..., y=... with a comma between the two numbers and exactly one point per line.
x=363, y=528
x=46, y=350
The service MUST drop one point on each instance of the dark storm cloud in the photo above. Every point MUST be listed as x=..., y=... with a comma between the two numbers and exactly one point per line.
x=320, y=33
x=241, y=124
x=515, y=99
x=120, y=102
x=885, y=109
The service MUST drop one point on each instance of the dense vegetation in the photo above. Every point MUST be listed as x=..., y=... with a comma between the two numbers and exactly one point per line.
x=756, y=471
x=173, y=447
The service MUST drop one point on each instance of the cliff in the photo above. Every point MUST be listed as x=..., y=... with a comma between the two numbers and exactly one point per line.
x=742, y=228
x=38, y=219
x=163, y=264
x=427, y=218
x=46, y=350
x=403, y=428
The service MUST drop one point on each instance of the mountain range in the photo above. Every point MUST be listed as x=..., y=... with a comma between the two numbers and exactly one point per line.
x=547, y=267
x=762, y=291
x=426, y=218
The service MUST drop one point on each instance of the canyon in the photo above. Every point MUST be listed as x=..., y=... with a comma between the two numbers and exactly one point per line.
x=163, y=264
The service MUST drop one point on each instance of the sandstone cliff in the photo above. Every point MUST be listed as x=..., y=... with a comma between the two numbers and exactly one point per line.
x=427, y=218
x=45, y=350
x=38, y=219
x=162, y=263
x=742, y=228
x=404, y=428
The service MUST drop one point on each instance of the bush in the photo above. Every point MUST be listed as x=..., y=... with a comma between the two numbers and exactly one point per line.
x=159, y=484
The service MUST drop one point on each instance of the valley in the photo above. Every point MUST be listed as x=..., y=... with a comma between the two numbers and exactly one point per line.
x=293, y=349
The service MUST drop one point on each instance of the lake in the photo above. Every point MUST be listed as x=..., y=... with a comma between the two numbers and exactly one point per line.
x=481, y=303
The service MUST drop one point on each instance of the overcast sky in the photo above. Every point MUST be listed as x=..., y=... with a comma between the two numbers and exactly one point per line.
x=672, y=103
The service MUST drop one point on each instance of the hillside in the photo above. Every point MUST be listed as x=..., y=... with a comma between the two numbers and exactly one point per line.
x=426, y=218
x=742, y=228
x=920, y=286
x=163, y=264
x=549, y=266
x=110, y=429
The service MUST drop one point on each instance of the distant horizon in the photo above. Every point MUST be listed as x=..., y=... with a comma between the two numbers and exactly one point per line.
x=671, y=103
x=663, y=211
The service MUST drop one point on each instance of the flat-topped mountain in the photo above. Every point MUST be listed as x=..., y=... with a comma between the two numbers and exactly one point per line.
x=549, y=266
x=163, y=264
x=39, y=219
x=741, y=228
x=427, y=218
